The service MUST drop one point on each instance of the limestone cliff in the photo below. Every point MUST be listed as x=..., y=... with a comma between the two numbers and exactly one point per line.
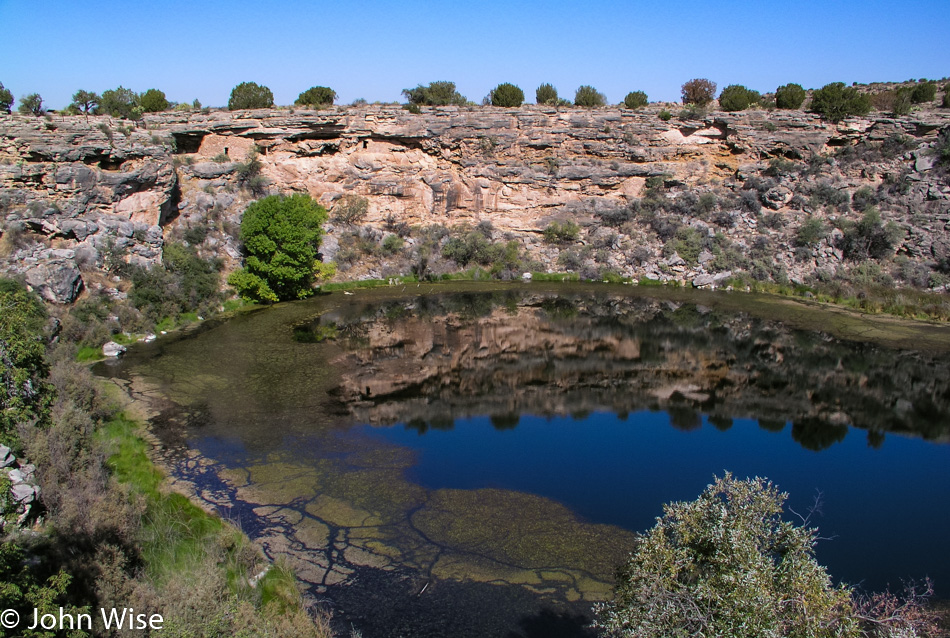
x=78, y=192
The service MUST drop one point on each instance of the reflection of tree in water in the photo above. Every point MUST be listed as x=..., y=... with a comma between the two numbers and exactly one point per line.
x=684, y=419
x=816, y=435
x=505, y=421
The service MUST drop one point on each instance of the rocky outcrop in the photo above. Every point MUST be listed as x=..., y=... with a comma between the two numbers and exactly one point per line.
x=109, y=190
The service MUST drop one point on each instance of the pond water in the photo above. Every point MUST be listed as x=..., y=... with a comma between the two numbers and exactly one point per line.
x=476, y=460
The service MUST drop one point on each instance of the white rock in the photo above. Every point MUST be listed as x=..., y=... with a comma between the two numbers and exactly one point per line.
x=112, y=349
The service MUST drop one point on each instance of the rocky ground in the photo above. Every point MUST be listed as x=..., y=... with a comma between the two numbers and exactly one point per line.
x=694, y=199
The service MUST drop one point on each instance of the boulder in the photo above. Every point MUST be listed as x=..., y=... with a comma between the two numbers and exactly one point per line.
x=112, y=349
x=6, y=456
x=55, y=281
x=24, y=492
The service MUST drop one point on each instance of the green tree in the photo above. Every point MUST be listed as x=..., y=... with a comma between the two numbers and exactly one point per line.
x=31, y=104
x=316, y=96
x=506, y=94
x=835, y=102
x=924, y=92
x=727, y=564
x=86, y=101
x=545, y=94
x=587, y=96
x=736, y=97
x=698, y=91
x=120, y=102
x=635, y=100
x=24, y=393
x=153, y=101
x=435, y=94
x=281, y=237
x=789, y=96
x=903, y=99
x=250, y=95
x=6, y=99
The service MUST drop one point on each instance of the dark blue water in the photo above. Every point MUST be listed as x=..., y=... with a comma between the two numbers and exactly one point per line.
x=884, y=508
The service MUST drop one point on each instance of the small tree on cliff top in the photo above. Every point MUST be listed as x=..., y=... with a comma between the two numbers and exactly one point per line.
x=281, y=237
x=506, y=94
x=6, y=99
x=250, y=95
x=699, y=91
x=316, y=96
x=545, y=94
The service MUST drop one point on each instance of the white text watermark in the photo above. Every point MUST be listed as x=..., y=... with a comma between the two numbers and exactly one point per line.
x=124, y=618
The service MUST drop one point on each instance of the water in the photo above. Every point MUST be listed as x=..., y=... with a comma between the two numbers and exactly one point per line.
x=619, y=471
x=478, y=459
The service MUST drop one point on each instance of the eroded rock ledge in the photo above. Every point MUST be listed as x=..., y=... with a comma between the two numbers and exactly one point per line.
x=96, y=189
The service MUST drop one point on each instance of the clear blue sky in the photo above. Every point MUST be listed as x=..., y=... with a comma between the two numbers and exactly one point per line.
x=373, y=49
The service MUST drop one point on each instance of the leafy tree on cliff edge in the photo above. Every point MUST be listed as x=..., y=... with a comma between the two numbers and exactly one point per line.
x=699, y=91
x=506, y=94
x=250, y=95
x=316, y=96
x=153, y=101
x=435, y=94
x=281, y=237
x=6, y=99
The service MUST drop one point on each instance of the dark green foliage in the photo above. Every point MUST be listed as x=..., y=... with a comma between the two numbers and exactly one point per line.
x=545, y=94
x=153, y=101
x=120, y=102
x=250, y=95
x=789, y=96
x=6, y=99
x=31, y=104
x=24, y=590
x=942, y=148
x=810, y=233
x=475, y=247
x=687, y=243
x=588, y=96
x=435, y=94
x=316, y=96
x=248, y=174
x=184, y=283
x=635, y=100
x=825, y=194
x=863, y=198
x=835, y=102
x=736, y=97
x=946, y=97
x=665, y=115
x=869, y=238
x=924, y=92
x=392, y=244
x=24, y=394
x=902, y=100
x=506, y=94
x=699, y=91
x=561, y=233
x=281, y=237
x=86, y=101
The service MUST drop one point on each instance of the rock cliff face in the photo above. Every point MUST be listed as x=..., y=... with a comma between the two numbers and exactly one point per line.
x=78, y=193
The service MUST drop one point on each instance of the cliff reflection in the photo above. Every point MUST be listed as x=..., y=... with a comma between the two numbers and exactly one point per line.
x=429, y=360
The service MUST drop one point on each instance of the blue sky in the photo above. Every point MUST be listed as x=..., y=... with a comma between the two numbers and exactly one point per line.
x=373, y=49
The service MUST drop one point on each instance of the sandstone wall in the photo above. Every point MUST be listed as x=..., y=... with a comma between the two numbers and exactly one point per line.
x=96, y=191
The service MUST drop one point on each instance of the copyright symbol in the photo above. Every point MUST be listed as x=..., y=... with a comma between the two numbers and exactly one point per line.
x=9, y=618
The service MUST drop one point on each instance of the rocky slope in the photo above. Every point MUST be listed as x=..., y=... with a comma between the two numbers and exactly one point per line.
x=79, y=194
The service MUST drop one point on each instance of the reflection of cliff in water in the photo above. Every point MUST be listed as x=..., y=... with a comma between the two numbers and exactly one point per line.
x=429, y=360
